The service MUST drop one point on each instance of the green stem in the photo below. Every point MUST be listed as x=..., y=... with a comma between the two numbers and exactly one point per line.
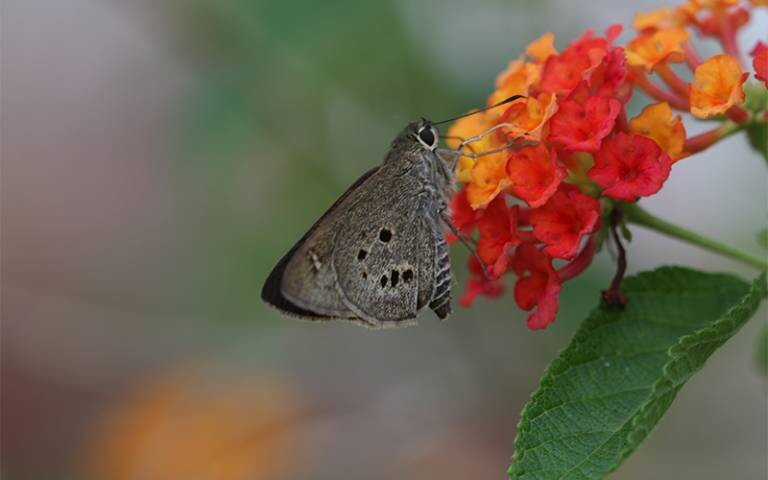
x=634, y=214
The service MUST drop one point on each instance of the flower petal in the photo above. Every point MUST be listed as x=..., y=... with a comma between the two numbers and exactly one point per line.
x=498, y=234
x=562, y=73
x=479, y=285
x=581, y=122
x=717, y=86
x=487, y=179
x=534, y=174
x=760, y=61
x=564, y=220
x=516, y=79
x=537, y=285
x=663, y=18
x=657, y=121
x=529, y=118
x=629, y=167
x=541, y=48
x=463, y=216
x=650, y=49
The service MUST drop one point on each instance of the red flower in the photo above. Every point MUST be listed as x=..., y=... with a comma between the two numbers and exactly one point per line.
x=537, y=285
x=563, y=220
x=630, y=166
x=609, y=77
x=732, y=20
x=534, y=174
x=478, y=284
x=498, y=234
x=760, y=61
x=582, y=121
x=462, y=214
x=563, y=72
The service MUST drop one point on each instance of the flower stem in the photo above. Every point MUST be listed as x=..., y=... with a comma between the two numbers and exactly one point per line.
x=654, y=91
x=706, y=139
x=636, y=215
x=613, y=296
x=692, y=57
x=727, y=35
x=672, y=79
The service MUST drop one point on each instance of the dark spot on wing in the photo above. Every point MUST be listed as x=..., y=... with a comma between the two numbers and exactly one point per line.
x=361, y=255
x=383, y=281
x=395, y=277
x=385, y=235
x=408, y=276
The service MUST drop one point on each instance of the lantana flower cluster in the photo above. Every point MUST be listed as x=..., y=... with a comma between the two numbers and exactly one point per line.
x=540, y=209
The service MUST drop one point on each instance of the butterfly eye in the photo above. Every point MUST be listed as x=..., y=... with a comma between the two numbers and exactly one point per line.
x=427, y=136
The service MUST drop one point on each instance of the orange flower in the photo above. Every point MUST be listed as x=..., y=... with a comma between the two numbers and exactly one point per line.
x=488, y=178
x=662, y=19
x=542, y=47
x=179, y=428
x=713, y=4
x=649, y=49
x=717, y=86
x=528, y=118
x=759, y=3
x=515, y=80
x=667, y=130
x=463, y=129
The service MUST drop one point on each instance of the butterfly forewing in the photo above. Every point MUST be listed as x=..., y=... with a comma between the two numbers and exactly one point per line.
x=302, y=283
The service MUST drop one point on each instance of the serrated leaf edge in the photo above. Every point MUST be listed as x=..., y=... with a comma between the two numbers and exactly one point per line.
x=730, y=322
x=751, y=300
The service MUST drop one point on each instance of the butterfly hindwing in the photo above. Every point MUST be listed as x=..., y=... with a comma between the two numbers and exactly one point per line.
x=384, y=256
x=378, y=255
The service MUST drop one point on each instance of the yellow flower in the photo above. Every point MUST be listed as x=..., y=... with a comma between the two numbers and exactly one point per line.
x=516, y=79
x=667, y=130
x=542, y=47
x=717, y=86
x=488, y=179
x=713, y=4
x=463, y=129
x=528, y=118
x=661, y=19
x=652, y=48
x=486, y=176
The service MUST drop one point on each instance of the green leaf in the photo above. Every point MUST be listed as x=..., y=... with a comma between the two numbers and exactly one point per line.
x=762, y=350
x=758, y=138
x=607, y=390
x=762, y=238
x=757, y=102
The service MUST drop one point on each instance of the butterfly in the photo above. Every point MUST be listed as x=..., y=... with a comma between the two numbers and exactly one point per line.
x=378, y=255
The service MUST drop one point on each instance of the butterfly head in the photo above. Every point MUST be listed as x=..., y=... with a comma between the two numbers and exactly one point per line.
x=417, y=137
x=426, y=134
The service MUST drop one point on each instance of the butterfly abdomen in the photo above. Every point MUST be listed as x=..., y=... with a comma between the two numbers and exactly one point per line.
x=441, y=299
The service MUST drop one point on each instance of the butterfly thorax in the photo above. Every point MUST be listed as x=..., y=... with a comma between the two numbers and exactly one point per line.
x=410, y=155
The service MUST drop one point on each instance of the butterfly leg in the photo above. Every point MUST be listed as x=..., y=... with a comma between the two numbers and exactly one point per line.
x=467, y=242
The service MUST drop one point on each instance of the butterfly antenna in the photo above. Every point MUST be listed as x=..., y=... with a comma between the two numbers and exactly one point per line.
x=503, y=102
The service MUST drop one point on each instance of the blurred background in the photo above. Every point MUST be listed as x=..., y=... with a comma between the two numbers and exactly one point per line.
x=158, y=157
